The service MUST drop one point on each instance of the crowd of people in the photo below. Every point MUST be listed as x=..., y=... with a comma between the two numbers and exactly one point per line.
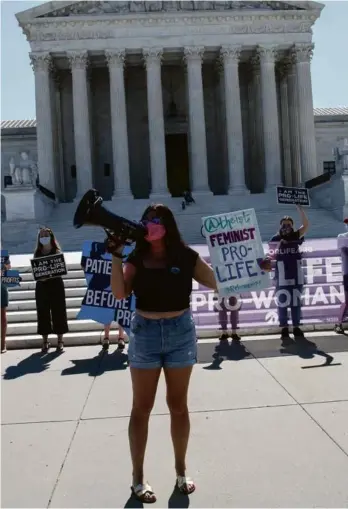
x=162, y=334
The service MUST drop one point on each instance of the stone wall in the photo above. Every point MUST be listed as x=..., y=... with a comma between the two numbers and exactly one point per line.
x=13, y=143
x=328, y=134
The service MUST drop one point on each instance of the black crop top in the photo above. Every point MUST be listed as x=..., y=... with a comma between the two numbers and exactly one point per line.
x=164, y=289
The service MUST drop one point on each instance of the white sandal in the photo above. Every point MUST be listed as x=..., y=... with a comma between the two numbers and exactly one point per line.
x=144, y=493
x=185, y=484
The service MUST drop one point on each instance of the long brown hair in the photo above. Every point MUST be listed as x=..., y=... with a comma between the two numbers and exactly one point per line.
x=54, y=243
x=173, y=241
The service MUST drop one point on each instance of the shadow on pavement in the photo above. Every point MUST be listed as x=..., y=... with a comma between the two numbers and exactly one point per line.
x=308, y=350
x=178, y=499
x=134, y=502
x=98, y=365
x=234, y=351
x=36, y=363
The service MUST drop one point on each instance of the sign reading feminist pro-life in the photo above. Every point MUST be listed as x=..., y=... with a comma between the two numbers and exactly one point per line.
x=292, y=196
x=99, y=303
x=236, y=252
x=48, y=267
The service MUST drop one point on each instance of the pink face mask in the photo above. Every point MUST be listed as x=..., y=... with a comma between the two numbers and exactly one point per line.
x=155, y=232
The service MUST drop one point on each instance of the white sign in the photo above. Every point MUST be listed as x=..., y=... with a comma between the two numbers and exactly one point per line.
x=236, y=251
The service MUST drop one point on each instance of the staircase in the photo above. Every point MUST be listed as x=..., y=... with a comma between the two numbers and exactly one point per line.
x=20, y=237
x=322, y=297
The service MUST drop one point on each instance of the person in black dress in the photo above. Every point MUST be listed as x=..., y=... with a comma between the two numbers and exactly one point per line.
x=50, y=295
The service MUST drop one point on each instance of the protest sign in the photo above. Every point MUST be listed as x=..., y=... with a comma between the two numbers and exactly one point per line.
x=293, y=196
x=48, y=267
x=99, y=303
x=9, y=278
x=236, y=251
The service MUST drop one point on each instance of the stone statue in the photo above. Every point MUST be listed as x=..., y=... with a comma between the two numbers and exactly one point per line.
x=24, y=173
x=341, y=156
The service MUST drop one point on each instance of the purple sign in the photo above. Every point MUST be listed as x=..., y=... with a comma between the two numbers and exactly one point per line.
x=321, y=296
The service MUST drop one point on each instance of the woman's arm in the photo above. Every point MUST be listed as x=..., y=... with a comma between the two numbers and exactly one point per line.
x=204, y=274
x=121, y=278
x=305, y=223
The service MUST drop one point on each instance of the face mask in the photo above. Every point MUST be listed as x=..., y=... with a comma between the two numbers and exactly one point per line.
x=45, y=241
x=286, y=229
x=155, y=232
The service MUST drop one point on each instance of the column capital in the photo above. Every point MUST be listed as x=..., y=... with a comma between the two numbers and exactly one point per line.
x=267, y=54
x=194, y=53
x=255, y=62
x=115, y=57
x=41, y=61
x=78, y=59
x=231, y=53
x=152, y=55
x=302, y=53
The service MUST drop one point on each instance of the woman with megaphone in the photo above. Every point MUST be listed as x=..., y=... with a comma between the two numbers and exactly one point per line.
x=160, y=271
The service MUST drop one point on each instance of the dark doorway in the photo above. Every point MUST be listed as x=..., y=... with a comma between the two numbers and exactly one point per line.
x=178, y=173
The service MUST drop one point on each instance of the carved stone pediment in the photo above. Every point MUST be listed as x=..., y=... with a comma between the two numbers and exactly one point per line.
x=89, y=8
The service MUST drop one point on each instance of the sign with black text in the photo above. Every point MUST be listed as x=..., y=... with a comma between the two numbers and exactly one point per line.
x=292, y=196
x=48, y=267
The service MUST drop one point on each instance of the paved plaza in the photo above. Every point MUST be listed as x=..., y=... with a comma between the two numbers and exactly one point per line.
x=269, y=428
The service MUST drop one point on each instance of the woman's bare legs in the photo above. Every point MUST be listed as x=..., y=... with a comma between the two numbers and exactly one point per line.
x=178, y=380
x=121, y=335
x=145, y=382
x=106, y=340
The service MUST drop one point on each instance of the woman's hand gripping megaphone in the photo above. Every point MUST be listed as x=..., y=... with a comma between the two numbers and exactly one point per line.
x=114, y=245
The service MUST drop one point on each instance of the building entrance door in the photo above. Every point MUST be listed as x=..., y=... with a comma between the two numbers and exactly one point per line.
x=178, y=173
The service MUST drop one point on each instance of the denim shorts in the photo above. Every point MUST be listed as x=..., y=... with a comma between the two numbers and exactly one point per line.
x=167, y=342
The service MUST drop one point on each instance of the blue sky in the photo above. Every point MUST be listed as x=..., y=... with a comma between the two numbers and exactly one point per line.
x=329, y=67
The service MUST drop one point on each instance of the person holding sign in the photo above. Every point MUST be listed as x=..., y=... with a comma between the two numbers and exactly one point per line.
x=159, y=271
x=104, y=282
x=5, y=265
x=342, y=246
x=289, y=274
x=50, y=295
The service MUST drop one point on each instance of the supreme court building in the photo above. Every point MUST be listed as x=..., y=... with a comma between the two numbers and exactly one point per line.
x=142, y=99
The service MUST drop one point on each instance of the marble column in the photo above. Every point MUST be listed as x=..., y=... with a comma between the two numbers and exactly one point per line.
x=285, y=129
x=302, y=54
x=42, y=66
x=258, y=177
x=293, y=124
x=152, y=58
x=82, y=134
x=267, y=56
x=230, y=57
x=119, y=132
x=193, y=57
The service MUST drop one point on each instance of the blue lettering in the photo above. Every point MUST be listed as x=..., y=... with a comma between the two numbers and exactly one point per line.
x=249, y=266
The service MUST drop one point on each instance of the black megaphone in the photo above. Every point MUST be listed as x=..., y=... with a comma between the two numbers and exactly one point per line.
x=91, y=212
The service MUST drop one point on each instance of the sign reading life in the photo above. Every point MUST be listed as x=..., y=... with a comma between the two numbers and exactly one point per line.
x=236, y=251
x=48, y=267
x=292, y=196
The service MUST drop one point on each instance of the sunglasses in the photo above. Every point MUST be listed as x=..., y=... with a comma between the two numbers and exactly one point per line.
x=155, y=220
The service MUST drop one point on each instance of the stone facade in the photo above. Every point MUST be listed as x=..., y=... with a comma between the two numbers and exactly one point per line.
x=331, y=127
x=147, y=99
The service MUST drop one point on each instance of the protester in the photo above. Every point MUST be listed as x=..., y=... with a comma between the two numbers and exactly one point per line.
x=289, y=277
x=233, y=307
x=342, y=246
x=97, y=252
x=4, y=304
x=50, y=295
x=160, y=272
x=188, y=199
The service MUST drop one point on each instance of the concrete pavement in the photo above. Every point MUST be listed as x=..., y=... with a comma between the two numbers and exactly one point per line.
x=267, y=430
